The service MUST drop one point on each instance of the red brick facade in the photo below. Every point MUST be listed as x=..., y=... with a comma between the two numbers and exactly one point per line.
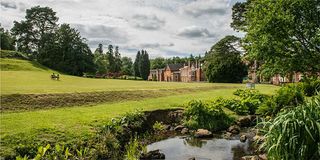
x=179, y=73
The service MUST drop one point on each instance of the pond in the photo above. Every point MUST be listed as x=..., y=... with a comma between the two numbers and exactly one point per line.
x=183, y=148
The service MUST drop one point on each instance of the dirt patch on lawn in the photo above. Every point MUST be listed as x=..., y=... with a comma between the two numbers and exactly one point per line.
x=25, y=102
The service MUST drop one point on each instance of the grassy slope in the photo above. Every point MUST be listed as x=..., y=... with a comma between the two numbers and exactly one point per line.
x=24, y=77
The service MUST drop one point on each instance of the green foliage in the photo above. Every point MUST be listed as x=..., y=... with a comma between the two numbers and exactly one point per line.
x=109, y=142
x=295, y=133
x=127, y=66
x=6, y=40
x=70, y=54
x=144, y=65
x=287, y=96
x=137, y=64
x=247, y=103
x=13, y=54
x=141, y=65
x=310, y=86
x=134, y=149
x=59, y=152
x=205, y=115
x=223, y=62
x=58, y=47
x=158, y=63
x=283, y=34
x=35, y=34
x=158, y=127
x=238, y=16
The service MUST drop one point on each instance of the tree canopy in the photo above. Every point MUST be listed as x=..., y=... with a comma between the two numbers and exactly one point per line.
x=57, y=46
x=223, y=62
x=284, y=35
x=142, y=65
x=7, y=41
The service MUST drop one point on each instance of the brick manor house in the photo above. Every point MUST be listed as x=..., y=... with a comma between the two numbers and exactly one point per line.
x=191, y=72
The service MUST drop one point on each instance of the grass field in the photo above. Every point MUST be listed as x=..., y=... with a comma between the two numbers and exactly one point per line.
x=21, y=77
x=24, y=77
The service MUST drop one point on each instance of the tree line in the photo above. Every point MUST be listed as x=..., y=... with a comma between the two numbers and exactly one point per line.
x=61, y=47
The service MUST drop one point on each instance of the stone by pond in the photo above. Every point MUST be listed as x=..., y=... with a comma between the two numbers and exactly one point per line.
x=182, y=147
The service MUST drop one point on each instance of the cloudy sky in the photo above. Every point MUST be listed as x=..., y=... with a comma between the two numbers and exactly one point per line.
x=163, y=27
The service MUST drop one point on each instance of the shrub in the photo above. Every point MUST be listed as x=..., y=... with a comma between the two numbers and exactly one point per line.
x=287, y=96
x=158, y=127
x=248, y=102
x=295, y=133
x=134, y=149
x=251, y=99
x=310, y=86
x=209, y=116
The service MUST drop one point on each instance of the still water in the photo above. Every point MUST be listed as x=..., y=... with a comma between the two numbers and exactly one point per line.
x=183, y=148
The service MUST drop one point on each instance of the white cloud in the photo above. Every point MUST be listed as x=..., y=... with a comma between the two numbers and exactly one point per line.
x=166, y=27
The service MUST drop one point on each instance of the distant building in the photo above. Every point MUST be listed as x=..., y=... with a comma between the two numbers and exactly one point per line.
x=178, y=73
x=156, y=75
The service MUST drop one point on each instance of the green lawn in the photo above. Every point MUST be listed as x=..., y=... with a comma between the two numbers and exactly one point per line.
x=25, y=77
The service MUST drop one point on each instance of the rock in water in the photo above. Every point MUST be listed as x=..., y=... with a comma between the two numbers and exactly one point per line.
x=227, y=135
x=250, y=158
x=184, y=131
x=178, y=128
x=247, y=121
x=234, y=129
x=203, y=133
x=153, y=155
x=243, y=138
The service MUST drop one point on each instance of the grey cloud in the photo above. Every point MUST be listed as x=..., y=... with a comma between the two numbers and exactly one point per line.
x=155, y=45
x=195, y=32
x=106, y=33
x=94, y=42
x=203, y=11
x=151, y=22
x=205, y=7
x=9, y=5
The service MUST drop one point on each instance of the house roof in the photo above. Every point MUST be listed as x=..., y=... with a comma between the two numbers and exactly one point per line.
x=175, y=67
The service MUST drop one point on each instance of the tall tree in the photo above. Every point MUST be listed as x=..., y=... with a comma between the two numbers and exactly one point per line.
x=223, y=62
x=111, y=59
x=117, y=60
x=7, y=41
x=136, y=65
x=144, y=65
x=37, y=31
x=99, y=49
x=100, y=60
x=127, y=66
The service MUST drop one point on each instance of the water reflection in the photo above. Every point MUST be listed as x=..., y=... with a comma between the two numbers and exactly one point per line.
x=179, y=148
